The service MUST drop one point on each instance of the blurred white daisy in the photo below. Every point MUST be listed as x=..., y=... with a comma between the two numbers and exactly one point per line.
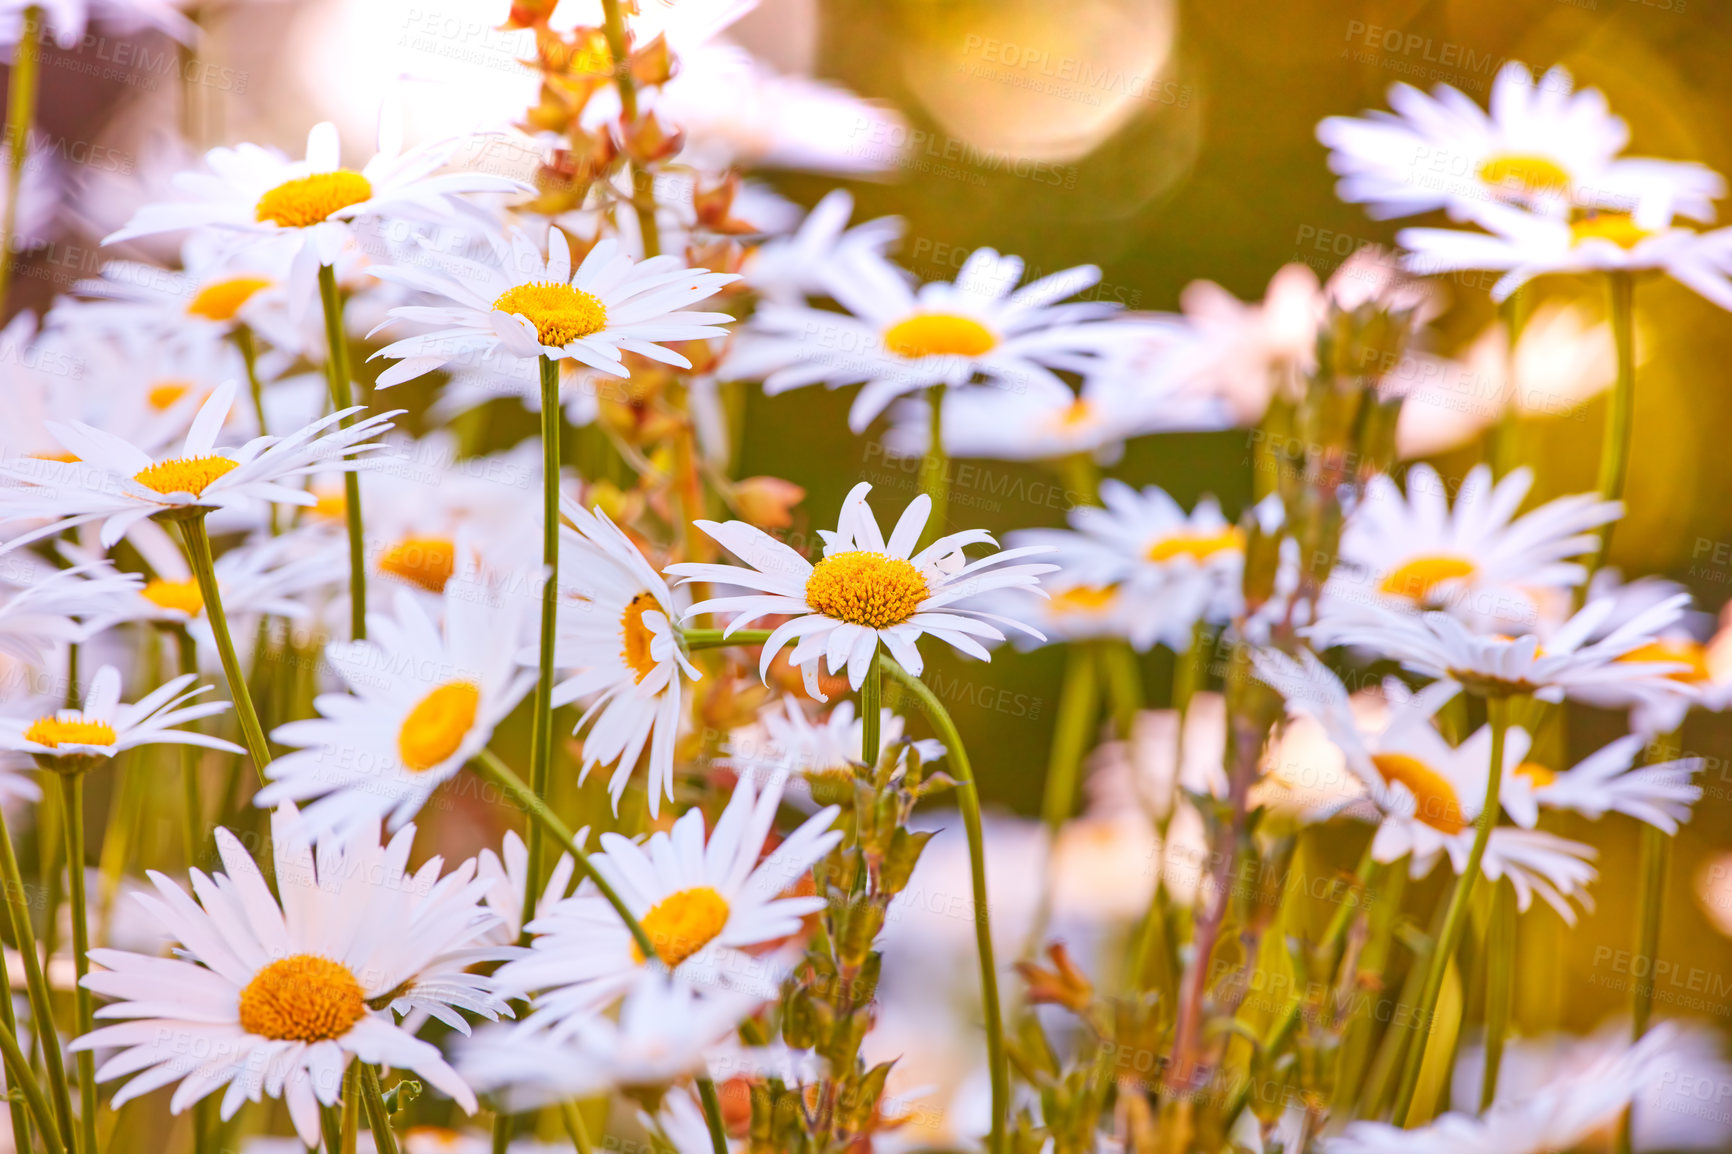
x=274, y=996
x=213, y=288
x=785, y=741
x=1606, y=781
x=66, y=20
x=1244, y=353
x=43, y=608
x=507, y=873
x=864, y=590
x=789, y=269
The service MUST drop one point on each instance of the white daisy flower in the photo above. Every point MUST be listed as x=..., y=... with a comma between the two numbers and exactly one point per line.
x=116, y=483
x=214, y=288
x=507, y=872
x=527, y=307
x=67, y=19
x=45, y=608
x=899, y=340
x=1542, y=147
x=105, y=726
x=275, y=997
x=1606, y=781
x=785, y=741
x=616, y=635
x=258, y=192
x=789, y=269
x=1474, y=558
x=423, y=699
x=863, y=591
x=702, y=902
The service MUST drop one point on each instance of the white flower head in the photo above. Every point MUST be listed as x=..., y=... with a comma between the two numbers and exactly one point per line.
x=105, y=726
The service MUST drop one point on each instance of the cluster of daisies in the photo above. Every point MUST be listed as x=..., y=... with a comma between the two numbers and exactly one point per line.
x=220, y=541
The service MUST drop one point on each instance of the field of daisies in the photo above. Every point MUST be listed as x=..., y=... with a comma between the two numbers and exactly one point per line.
x=422, y=731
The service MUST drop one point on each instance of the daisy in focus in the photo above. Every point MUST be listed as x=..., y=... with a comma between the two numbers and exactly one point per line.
x=276, y=997
x=105, y=726
x=864, y=591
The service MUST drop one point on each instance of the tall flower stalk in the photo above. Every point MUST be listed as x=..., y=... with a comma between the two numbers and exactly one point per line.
x=541, y=732
x=20, y=114
x=343, y=398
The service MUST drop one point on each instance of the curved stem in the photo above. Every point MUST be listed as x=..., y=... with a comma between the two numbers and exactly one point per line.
x=573, y=1118
x=198, y=556
x=343, y=397
x=1620, y=410
x=968, y=800
x=713, y=1115
x=20, y=111
x=1455, y=919
x=18, y=1075
x=934, y=467
x=541, y=720
x=72, y=799
x=41, y=1003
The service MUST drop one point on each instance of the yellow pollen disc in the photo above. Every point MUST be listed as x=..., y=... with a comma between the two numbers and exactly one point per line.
x=302, y=998
x=221, y=300
x=635, y=637
x=1198, y=546
x=69, y=729
x=1084, y=599
x=330, y=505
x=1076, y=413
x=1678, y=651
x=1618, y=227
x=1539, y=776
x=1436, y=803
x=683, y=923
x=1416, y=579
x=424, y=561
x=862, y=588
x=164, y=394
x=180, y=595
x=1528, y=173
x=561, y=314
x=437, y=725
x=939, y=335
x=312, y=199
x=184, y=474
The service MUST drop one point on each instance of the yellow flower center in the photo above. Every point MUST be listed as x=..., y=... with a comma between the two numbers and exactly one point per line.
x=1416, y=579
x=302, y=998
x=938, y=335
x=437, y=725
x=1539, y=776
x=164, y=394
x=1198, y=546
x=1076, y=413
x=1084, y=599
x=1618, y=227
x=560, y=313
x=424, y=561
x=222, y=299
x=683, y=923
x=1676, y=650
x=312, y=199
x=1435, y=801
x=178, y=595
x=863, y=588
x=329, y=505
x=184, y=474
x=69, y=729
x=635, y=637
x=1533, y=174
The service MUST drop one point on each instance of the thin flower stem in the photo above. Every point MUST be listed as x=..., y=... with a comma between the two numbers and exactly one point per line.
x=378, y=1118
x=41, y=1003
x=1455, y=920
x=541, y=719
x=243, y=338
x=503, y=1126
x=642, y=200
x=871, y=708
x=714, y=639
x=1656, y=856
x=968, y=800
x=198, y=556
x=187, y=651
x=20, y=111
x=351, y=1128
x=72, y=803
x=934, y=467
x=18, y=1075
x=1620, y=410
x=713, y=1115
x=1078, y=703
x=573, y=1118
x=332, y=1128
x=343, y=397
x=1499, y=986
x=1124, y=684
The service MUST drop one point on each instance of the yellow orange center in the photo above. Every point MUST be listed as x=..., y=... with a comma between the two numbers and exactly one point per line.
x=302, y=998
x=312, y=199
x=69, y=729
x=939, y=335
x=1435, y=800
x=1618, y=227
x=220, y=300
x=1679, y=651
x=1197, y=546
x=863, y=588
x=329, y=505
x=1529, y=173
x=424, y=561
x=184, y=474
x=1084, y=599
x=165, y=394
x=437, y=725
x=181, y=596
x=1539, y=776
x=1076, y=413
x=635, y=637
x=683, y=923
x=560, y=313
x=1417, y=578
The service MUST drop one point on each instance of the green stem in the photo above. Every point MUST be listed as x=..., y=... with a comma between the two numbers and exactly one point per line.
x=935, y=466
x=1620, y=409
x=19, y=1077
x=188, y=652
x=541, y=731
x=331, y=1126
x=574, y=1126
x=72, y=800
x=1078, y=703
x=642, y=201
x=343, y=397
x=503, y=1125
x=1455, y=920
x=20, y=112
x=41, y=1003
x=871, y=708
x=1499, y=986
x=351, y=1127
x=712, y=638
x=1656, y=855
x=198, y=556
x=968, y=801
x=1501, y=450
x=1124, y=683
x=713, y=1115
x=378, y=1118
